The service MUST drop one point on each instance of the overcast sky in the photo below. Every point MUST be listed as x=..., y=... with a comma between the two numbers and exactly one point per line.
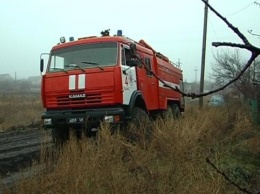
x=172, y=27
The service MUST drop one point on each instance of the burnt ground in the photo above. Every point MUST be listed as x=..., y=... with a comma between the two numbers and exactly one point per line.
x=19, y=148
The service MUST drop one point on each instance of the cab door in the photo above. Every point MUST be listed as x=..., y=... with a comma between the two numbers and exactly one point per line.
x=129, y=78
x=147, y=83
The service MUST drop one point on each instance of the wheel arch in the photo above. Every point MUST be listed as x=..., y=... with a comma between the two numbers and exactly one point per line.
x=171, y=102
x=136, y=100
x=175, y=102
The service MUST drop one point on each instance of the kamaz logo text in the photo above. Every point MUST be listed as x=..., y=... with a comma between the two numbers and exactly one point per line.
x=77, y=82
x=74, y=96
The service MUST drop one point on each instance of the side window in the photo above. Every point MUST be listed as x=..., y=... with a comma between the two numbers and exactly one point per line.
x=125, y=60
x=57, y=63
x=147, y=62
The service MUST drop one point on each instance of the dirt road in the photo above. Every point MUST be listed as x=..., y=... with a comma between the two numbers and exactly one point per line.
x=18, y=149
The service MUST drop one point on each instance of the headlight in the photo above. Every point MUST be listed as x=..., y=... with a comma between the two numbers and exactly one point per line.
x=109, y=119
x=112, y=119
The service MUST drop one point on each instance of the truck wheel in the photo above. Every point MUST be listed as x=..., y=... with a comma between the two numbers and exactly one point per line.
x=176, y=111
x=59, y=136
x=168, y=113
x=172, y=112
x=140, y=127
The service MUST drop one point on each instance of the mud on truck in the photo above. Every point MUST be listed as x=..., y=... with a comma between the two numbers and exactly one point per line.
x=105, y=79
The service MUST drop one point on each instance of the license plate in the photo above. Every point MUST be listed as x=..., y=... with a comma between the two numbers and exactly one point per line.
x=75, y=120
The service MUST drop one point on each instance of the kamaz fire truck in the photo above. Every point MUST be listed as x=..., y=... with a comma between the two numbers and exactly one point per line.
x=106, y=79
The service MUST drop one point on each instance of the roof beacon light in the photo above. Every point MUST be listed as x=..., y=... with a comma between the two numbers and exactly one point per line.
x=119, y=32
x=62, y=39
x=71, y=39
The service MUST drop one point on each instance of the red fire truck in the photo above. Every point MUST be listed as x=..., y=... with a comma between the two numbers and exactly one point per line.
x=103, y=79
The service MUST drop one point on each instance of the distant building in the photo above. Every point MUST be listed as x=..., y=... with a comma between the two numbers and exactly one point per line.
x=35, y=80
x=5, y=77
x=6, y=83
x=35, y=83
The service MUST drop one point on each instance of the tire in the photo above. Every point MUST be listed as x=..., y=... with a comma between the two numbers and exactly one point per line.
x=140, y=127
x=172, y=112
x=59, y=136
x=168, y=113
x=176, y=111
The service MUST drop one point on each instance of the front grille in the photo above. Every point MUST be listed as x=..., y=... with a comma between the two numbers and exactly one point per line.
x=89, y=99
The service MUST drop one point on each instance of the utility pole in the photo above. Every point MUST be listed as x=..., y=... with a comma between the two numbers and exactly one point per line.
x=204, y=41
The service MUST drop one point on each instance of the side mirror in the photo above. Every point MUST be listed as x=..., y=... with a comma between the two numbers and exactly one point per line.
x=41, y=65
x=133, y=50
x=135, y=57
x=135, y=62
x=42, y=61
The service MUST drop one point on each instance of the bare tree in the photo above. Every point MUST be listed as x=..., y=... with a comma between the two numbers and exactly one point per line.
x=228, y=65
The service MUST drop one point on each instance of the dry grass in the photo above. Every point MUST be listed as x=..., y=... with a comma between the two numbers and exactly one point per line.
x=19, y=110
x=173, y=162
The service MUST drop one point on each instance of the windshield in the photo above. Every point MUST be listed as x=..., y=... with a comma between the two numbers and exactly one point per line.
x=84, y=56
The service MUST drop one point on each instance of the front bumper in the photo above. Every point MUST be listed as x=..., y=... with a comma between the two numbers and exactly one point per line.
x=89, y=117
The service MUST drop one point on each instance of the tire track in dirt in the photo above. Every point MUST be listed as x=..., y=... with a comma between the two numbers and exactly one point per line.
x=19, y=148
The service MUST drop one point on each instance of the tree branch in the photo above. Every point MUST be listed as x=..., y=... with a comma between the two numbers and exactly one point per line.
x=226, y=177
x=236, y=30
x=256, y=3
x=242, y=46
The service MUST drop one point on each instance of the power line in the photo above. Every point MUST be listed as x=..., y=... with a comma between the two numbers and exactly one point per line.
x=240, y=10
x=251, y=32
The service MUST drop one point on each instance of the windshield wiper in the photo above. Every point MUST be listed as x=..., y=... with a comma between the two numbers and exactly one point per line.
x=78, y=67
x=60, y=69
x=91, y=63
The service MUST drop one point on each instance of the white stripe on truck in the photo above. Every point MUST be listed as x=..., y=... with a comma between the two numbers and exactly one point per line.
x=81, y=81
x=72, y=82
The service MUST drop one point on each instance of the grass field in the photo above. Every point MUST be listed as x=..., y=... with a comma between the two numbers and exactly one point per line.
x=19, y=110
x=174, y=161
